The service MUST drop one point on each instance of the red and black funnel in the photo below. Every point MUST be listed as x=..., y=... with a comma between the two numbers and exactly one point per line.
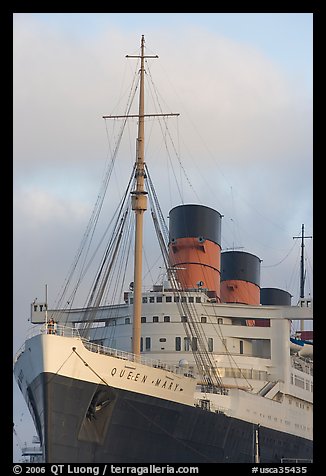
x=195, y=247
x=240, y=278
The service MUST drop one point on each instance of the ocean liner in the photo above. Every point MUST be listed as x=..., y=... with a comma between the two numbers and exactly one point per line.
x=201, y=368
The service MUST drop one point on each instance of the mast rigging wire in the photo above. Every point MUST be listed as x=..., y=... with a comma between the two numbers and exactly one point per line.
x=100, y=288
x=91, y=226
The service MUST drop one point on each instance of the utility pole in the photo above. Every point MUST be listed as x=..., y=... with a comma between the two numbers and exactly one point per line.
x=257, y=455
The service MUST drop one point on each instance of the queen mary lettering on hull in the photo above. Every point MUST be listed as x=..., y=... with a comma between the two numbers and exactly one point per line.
x=230, y=386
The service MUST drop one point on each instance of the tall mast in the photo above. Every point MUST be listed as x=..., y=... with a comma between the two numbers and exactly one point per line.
x=302, y=270
x=139, y=205
x=139, y=197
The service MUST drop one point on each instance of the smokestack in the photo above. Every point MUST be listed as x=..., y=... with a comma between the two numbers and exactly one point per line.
x=240, y=278
x=272, y=297
x=275, y=297
x=195, y=247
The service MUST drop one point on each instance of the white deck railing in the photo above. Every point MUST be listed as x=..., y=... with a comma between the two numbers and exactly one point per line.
x=43, y=329
x=64, y=331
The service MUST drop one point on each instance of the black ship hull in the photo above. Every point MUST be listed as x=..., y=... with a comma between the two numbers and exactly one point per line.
x=80, y=422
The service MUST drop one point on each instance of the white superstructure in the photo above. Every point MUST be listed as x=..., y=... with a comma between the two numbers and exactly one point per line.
x=263, y=380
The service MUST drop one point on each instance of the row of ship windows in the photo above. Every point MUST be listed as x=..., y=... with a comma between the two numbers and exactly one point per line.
x=301, y=405
x=286, y=422
x=159, y=299
x=300, y=382
x=187, y=344
x=233, y=372
x=203, y=319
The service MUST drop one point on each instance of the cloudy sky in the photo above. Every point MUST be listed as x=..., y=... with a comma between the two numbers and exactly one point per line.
x=242, y=84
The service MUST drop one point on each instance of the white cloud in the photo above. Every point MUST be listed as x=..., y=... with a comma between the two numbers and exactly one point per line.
x=243, y=124
x=240, y=117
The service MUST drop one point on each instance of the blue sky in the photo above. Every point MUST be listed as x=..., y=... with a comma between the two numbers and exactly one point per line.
x=243, y=85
